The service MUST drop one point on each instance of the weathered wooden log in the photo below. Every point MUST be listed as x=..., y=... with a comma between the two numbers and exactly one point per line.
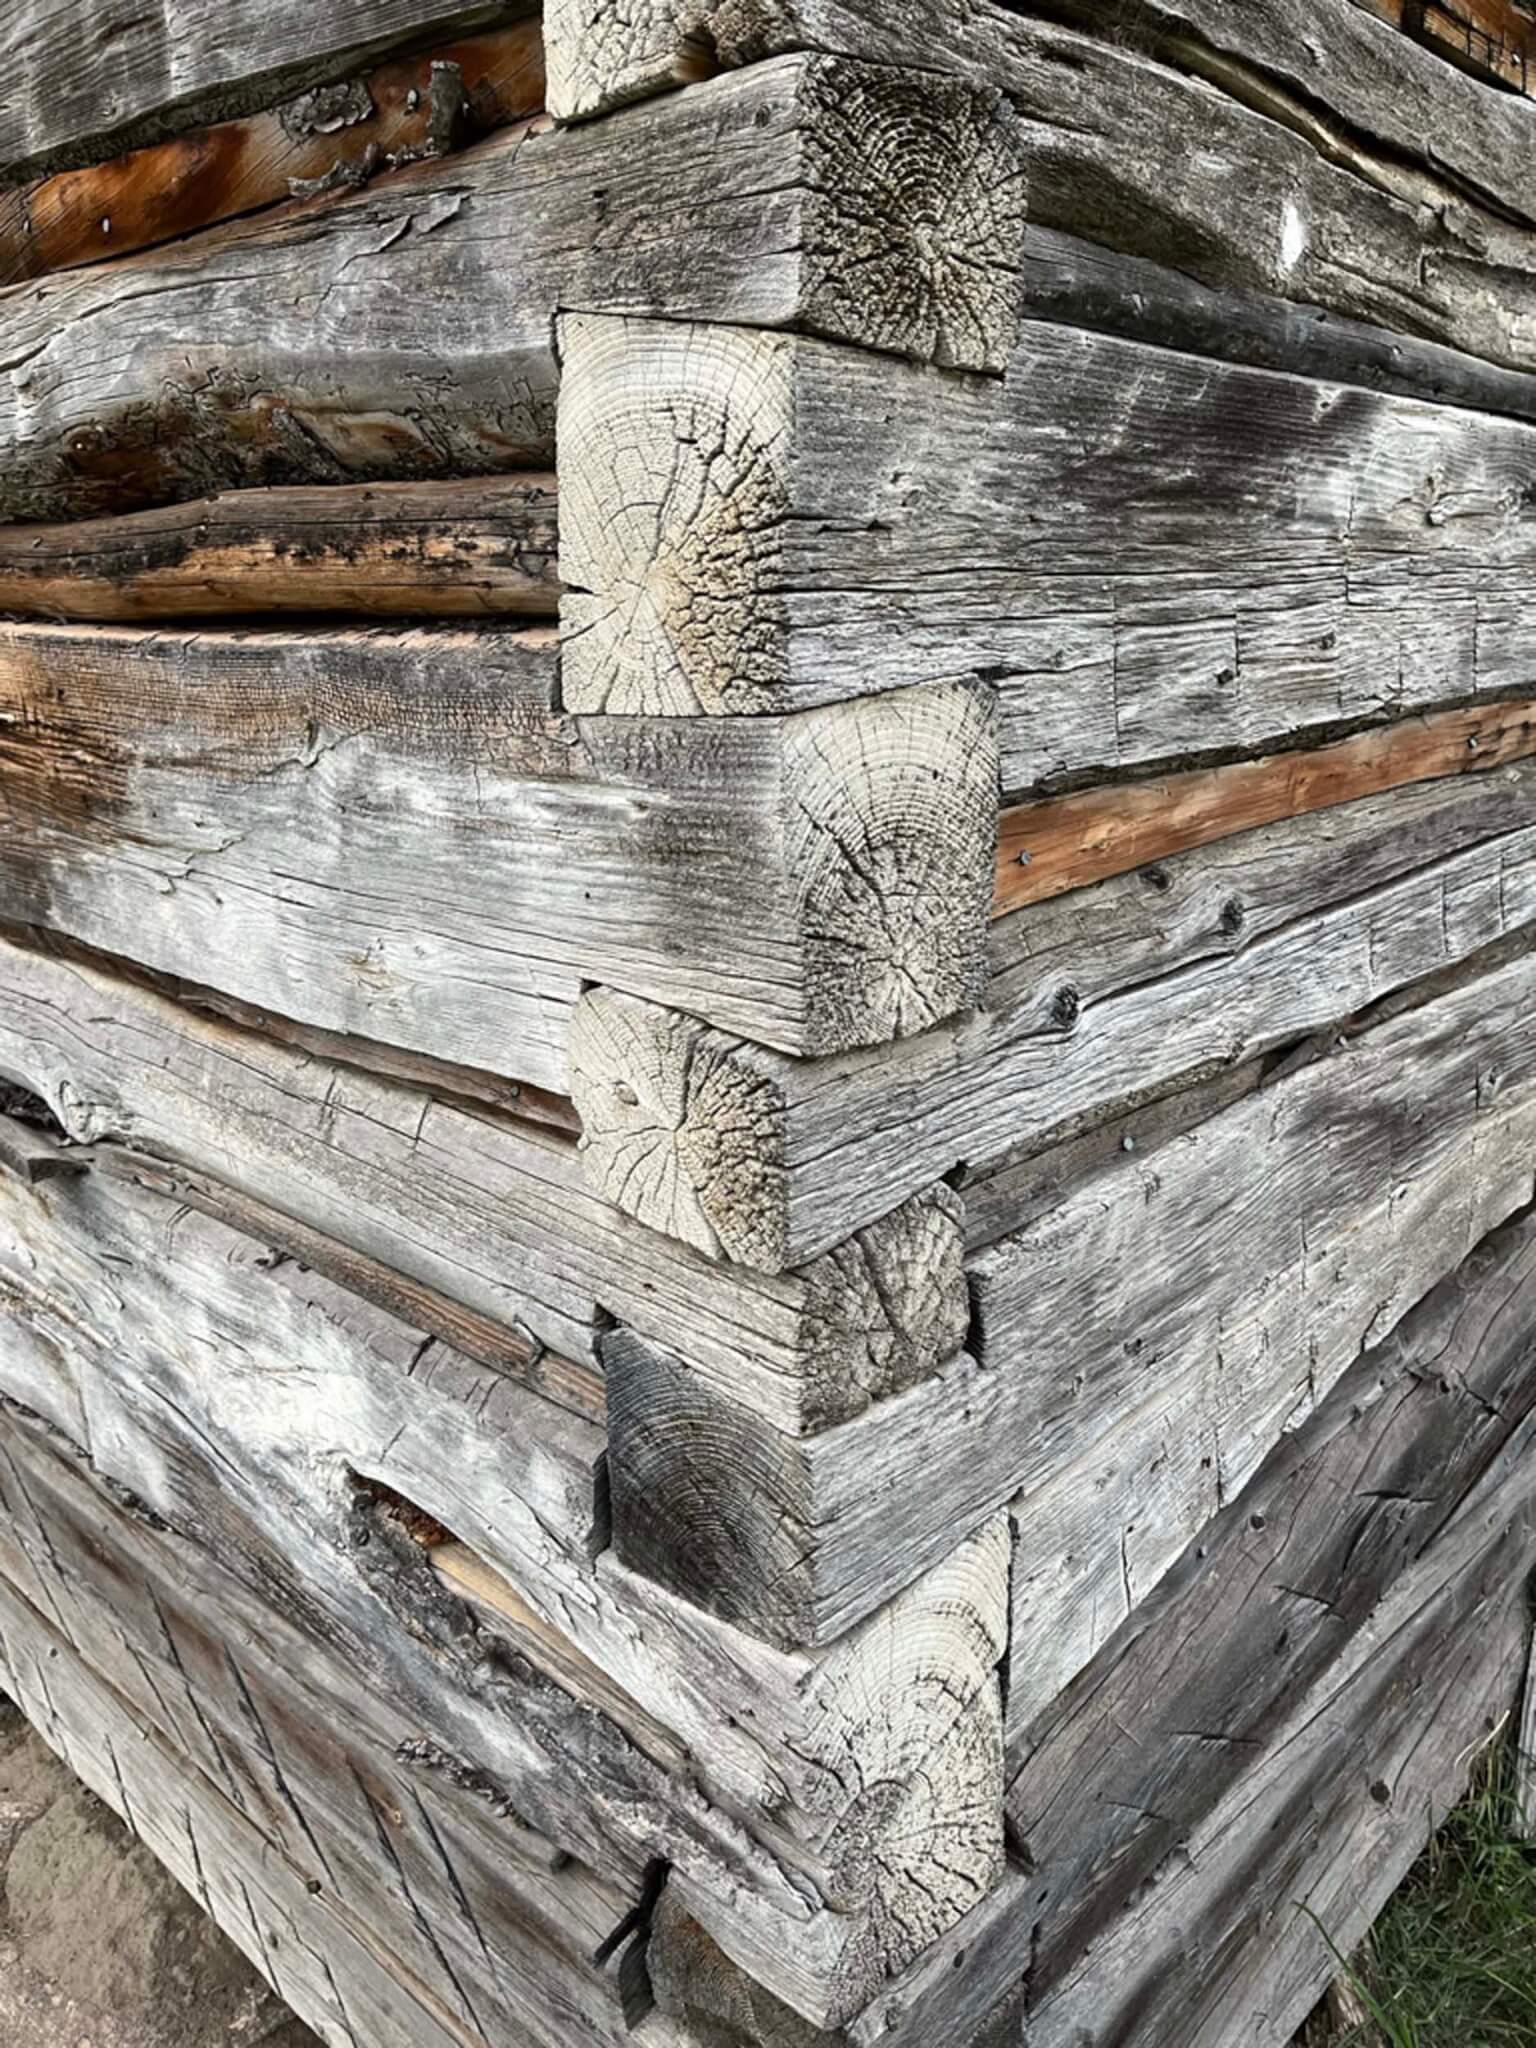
x=444, y=550
x=89, y=80
x=397, y=835
x=205, y=1324
x=1130, y=1389
x=487, y=1213
x=325, y=1967
x=414, y=1853
x=1325, y=557
x=797, y=1539
x=332, y=138
x=1285, y=1576
x=1220, y=1281
x=1088, y=284
x=1069, y=842
x=1404, y=1687
x=1365, y=95
x=408, y=330
x=1098, y=999
x=1277, y=196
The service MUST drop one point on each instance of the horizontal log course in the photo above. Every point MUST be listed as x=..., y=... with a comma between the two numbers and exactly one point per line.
x=1151, y=557
x=1334, y=1658
x=1069, y=842
x=1078, y=283
x=1308, y=1218
x=413, y=1848
x=1244, y=172
x=472, y=549
x=408, y=330
x=396, y=835
x=1126, y=1391
x=184, y=1418
x=333, y=137
x=1303, y=1557
x=330, y=1973
x=89, y=80
x=489, y=1215
x=1099, y=1000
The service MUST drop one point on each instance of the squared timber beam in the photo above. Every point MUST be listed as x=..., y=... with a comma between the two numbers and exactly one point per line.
x=407, y=330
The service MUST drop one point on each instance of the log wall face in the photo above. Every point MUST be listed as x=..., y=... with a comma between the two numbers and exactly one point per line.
x=767, y=948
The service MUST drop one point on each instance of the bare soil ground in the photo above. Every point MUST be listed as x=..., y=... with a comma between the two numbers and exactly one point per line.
x=99, y=1946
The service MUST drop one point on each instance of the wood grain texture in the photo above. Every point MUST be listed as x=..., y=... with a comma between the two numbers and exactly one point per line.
x=88, y=81
x=398, y=836
x=1070, y=842
x=1242, y=182
x=1144, y=1342
x=1286, y=1575
x=1327, y=1807
x=406, y=331
x=488, y=1213
x=914, y=1693
x=397, y=1833
x=1151, y=557
x=332, y=138
x=1079, y=283
x=472, y=549
x=1099, y=1000
x=1263, y=1250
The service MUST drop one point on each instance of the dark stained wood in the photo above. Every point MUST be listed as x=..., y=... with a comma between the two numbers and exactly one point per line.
x=467, y=550
x=87, y=79
x=332, y=138
x=1069, y=842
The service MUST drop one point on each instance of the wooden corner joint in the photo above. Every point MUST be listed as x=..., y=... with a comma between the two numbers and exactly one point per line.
x=892, y=1741
x=916, y=184
x=692, y=457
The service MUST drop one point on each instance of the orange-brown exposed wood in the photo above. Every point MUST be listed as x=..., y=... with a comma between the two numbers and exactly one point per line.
x=1067, y=842
x=474, y=549
x=335, y=136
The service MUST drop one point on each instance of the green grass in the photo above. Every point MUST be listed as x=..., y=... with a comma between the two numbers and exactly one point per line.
x=1452, y=1961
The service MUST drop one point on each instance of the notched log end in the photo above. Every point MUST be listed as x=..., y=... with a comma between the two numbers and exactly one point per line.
x=598, y=56
x=915, y=232
x=901, y=1751
x=682, y=1127
x=673, y=454
x=891, y=820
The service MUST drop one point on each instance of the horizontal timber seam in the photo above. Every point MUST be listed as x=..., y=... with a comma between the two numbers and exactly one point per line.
x=331, y=139
x=1231, y=176
x=1069, y=842
x=465, y=550
x=407, y=331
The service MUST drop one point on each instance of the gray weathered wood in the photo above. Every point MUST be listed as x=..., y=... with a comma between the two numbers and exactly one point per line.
x=86, y=80
x=411, y=1852
x=488, y=1212
x=1098, y=999
x=398, y=835
x=1144, y=1342
x=1181, y=1308
x=407, y=330
x=1162, y=1725
x=176, y=1334
x=1159, y=557
x=1087, y=284
x=1163, y=163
